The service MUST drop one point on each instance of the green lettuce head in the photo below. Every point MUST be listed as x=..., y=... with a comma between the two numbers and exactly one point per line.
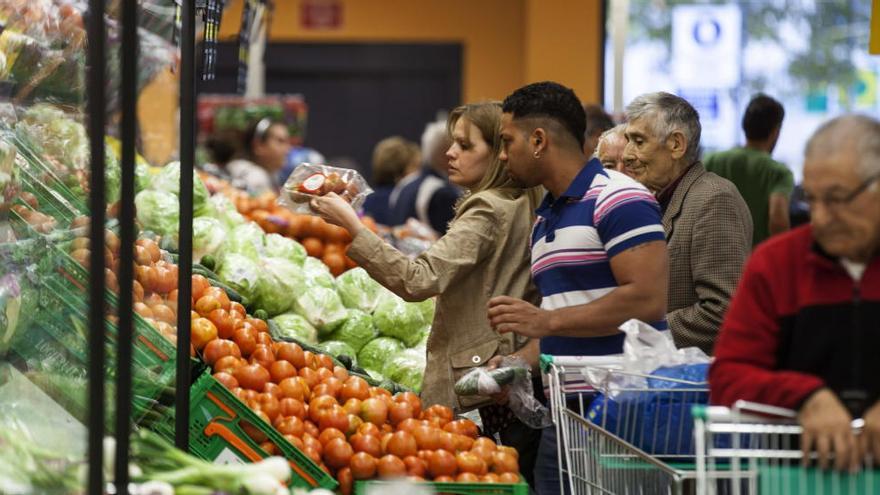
x=209, y=236
x=280, y=280
x=336, y=348
x=224, y=210
x=159, y=212
x=396, y=318
x=292, y=325
x=406, y=368
x=241, y=273
x=359, y=291
x=427, y=307
x=278, y=246
x=247, y=240
x=168, y=180
x=317, y=273
x=377, y=352
x=357, y=330
x=322, y=307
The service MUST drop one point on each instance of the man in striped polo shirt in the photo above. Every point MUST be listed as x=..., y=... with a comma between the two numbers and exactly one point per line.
x=598, y=247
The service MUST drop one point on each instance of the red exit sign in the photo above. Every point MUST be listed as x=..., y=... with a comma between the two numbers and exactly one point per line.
x=321, y=14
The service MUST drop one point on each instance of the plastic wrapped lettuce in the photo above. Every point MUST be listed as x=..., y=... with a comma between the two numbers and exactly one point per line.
x=247, y=239
x=280, y=281
x=357, y=330
x=377, y=352
x=142, y=177
x=406, y=368
x=423, y=340
x=317, y=274
x=278, y=246
x=294, y=326
x=359, y=291
x=242, y=273
x=224, y=210
x=396, y=318
x=426, y=307
x=336, y=348
x=158, y=211
x=322, y=307
x=209, y=235
x=112, y=177
x=168, y=180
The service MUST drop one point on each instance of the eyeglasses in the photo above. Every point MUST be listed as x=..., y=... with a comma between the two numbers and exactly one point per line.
x=834, y=202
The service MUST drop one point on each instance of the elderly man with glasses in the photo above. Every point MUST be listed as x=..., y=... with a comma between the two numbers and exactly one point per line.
x=707, y=224
x=803, y=331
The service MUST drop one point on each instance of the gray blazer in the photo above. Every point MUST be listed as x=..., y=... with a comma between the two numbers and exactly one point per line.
x=709, y=237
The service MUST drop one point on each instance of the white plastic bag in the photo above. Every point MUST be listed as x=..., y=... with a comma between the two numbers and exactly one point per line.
x=644, y=350
x=308, y=181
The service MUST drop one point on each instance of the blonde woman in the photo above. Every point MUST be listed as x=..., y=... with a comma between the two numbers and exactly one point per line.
x=485, y=253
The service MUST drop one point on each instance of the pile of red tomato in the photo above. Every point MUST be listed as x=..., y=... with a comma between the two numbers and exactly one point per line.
x=350, y=429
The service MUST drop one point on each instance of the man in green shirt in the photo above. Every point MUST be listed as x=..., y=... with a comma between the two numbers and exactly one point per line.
x=764, y=183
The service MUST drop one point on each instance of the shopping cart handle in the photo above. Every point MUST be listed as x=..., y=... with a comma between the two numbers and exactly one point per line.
x=545, y=361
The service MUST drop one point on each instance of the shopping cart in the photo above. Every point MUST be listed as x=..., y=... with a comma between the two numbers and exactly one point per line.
x=755, y=449
x=631, y=434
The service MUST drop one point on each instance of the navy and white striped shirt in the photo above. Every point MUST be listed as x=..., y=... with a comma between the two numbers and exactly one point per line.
x=601, y=214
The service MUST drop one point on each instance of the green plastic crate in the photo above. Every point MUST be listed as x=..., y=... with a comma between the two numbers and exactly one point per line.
x=360, y=488
x=216, y=434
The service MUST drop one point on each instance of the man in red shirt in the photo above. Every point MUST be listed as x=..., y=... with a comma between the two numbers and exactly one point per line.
x=803, y=329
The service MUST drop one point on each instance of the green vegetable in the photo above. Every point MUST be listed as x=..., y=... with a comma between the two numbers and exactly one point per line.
x=209, y=236
x=248, y=240
x=224, y=210
x=261, y=315
x=357, y=330
x=322, y=307
x=377, y=352
x=406, y=368
x=396, y=318
x=209, y=262
x=278, y=246
x=241, y=273
x=317, y=274
x=280, y=281
x=375, y=375
x=168, y=180
x=294, y=326
x=338, y=349
x=359, y=291
x=468, y=384
x=142, y=177
x=159, y=212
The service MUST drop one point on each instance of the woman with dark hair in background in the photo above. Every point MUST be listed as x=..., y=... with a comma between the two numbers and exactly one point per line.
x=266, y=143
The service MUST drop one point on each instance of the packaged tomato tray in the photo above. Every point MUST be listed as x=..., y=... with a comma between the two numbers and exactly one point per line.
x=308, y=181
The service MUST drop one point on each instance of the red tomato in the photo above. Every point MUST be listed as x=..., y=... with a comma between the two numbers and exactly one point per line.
x=203, y=331
x=415, y=466
x=274, y=390
x=355, y=388
x=252, y=376
x=269, y=405
x=218, y=348
x=366, y=443
x=281, y=370
x=402, y=444
x=442, y=463
x=292, y=388
x=337, y=453
x=226, y=379
x=224, y=322
x=246, y=339
x=199, y=285
x=329, y=434
x=468, y=462
x=262, y=355
x=391, y=466
x=292, y=353
x=502, y=462
x=363, y=466
x=374, y=410
x=205, y=304
x=292, y=407
x=335, y=417
x=399, y=411
x=346, y=481
x=427, y=437
x=228, y=364
x=290, y=425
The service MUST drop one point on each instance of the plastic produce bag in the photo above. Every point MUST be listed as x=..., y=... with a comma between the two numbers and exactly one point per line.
x=317, y=274
x=158, y=211
x=397, y=318
x=644, y=350
x=308, y=181
x=513, y=373
x=336, y=348
x=322, y=307
x=168, y=180
x=247, y=240
x=224, y=210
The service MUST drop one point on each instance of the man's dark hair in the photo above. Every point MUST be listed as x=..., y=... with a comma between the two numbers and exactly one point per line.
x=549, y=100
x=598, y=121
x=763, y=115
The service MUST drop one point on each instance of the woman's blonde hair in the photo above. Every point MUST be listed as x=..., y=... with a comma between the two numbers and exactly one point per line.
x=486, y=117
